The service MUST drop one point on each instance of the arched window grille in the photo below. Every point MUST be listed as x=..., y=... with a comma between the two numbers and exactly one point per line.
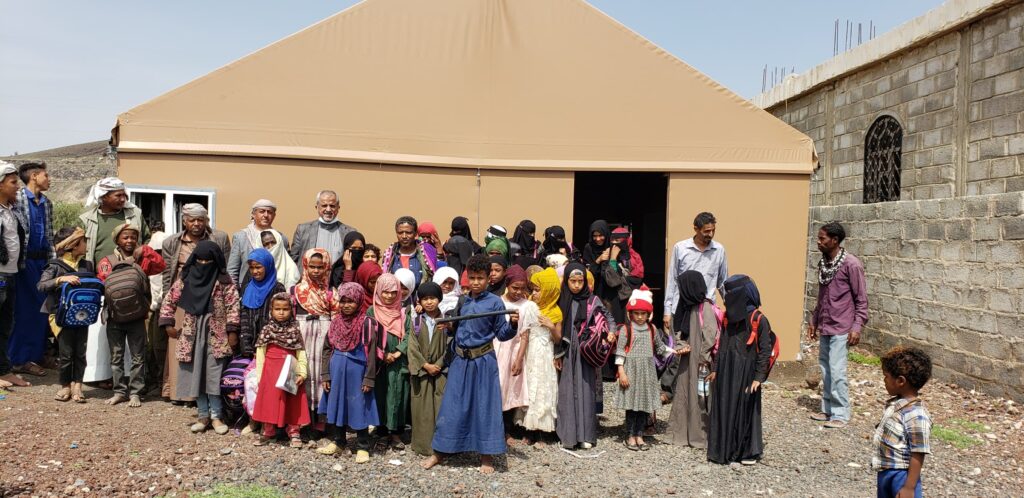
x=882, y=149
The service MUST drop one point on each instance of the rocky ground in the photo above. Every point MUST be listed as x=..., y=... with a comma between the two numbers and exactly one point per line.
x=60, y=449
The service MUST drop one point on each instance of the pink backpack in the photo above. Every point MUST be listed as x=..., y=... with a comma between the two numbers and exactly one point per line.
x=719, y=317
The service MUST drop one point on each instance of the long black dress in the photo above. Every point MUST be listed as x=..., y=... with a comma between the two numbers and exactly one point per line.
x=735, y=427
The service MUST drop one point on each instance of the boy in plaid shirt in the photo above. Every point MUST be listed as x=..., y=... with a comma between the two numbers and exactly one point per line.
x=901, y=438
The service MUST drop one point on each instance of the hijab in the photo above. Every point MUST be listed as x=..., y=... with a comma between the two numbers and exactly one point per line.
x=524, y=237
x=533, y=270
x=198, y=280
x=338, y=268
x=497, y=288
x=311, y=294
x=389, y=316
x=592, y=250
x=567, y=298
x=286, y=270
x=554, y=239
x=285, y=334
x=693, y=290
x=408, y=280
x=549, y=285
x=515, y=273
x=256, y=292
x=345, y=332
x=460, y=226
x=363, y=276
x=450, y=300
x=500, y=245
x=741, y=298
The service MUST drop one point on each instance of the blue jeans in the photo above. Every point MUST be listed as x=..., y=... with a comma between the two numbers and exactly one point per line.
x=210, y=406
x=835, y=390
x=891, y=480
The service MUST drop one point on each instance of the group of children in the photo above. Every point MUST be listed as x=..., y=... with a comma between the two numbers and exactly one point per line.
x=518, y=350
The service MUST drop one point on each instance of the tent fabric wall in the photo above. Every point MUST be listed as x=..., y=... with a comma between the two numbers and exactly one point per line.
x=762, y=221
x=372, y=197
x=501, y=84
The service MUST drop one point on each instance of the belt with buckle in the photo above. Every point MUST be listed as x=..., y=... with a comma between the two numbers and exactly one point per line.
x=474, y=353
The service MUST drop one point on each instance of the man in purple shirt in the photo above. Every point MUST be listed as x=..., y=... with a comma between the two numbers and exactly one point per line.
x=838, y=318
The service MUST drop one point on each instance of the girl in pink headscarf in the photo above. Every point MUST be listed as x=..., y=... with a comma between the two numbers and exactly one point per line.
x=389, y=317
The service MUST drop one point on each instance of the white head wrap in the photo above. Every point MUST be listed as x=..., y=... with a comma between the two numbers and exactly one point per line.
x=407, y=278
x=264, y=203
x=194, y=210
x=103, y=187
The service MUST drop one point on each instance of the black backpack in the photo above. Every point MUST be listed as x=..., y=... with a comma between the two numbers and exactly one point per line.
x=126, y=294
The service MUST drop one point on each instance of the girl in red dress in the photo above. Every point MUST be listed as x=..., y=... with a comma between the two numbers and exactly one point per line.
x=276, y=407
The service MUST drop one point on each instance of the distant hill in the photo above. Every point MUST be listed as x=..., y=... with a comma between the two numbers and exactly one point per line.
x=73, y=169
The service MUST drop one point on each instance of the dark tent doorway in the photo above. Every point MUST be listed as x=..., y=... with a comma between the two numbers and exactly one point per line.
x=635, y=200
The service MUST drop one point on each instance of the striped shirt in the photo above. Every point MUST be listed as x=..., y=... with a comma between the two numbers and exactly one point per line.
x=905, y=428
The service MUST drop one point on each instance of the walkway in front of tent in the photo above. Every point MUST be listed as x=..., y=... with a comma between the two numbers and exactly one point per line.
x=61, y=449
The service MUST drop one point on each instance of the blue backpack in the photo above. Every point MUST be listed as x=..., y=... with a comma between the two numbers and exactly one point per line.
x=80, y=304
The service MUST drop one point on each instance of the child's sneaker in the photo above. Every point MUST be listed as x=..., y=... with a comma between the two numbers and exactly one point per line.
x=362, y=456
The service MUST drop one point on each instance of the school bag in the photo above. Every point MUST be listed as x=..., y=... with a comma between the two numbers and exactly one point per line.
x=755, y=323
x=127, y=292
x=592, y=346
x=232, y=388
x=719, y=318
x=79, y=305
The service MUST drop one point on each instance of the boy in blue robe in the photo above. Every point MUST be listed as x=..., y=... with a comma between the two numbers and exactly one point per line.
x=470, y=415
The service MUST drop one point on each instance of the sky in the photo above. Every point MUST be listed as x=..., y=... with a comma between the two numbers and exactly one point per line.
x=69, y=67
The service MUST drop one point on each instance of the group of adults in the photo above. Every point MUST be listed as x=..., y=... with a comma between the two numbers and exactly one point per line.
x=26, y=233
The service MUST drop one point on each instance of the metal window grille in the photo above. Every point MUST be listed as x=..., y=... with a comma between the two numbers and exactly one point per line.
x=882, y=159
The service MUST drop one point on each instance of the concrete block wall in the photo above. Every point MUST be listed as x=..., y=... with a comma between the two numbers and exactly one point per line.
x=946, y=275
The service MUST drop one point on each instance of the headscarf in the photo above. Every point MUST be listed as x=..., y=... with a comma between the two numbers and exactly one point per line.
x=286, y=270
x=556, y=260
x=389, y=316
x=252, y=232
x=566, y=298
x=338, y=269
x=429, y=289
x=631, y=258
x=460, y=226
x=345, y=332
x=103, y=187
x=256, y=292
x=70, y=241
x=198, y=280
x=428, y=227
x=500, y=245
x=498, y=287
x=285, y=334
x=741, y=298
x=591, y=251
x=532, y=270
x=311, y=294
x=548, y=283
x=363, y=276
x=451, y=299
x=554, y=239
x=524, y=236
x=495, y=232
x=408, y=280
x=693, y=290
x=515, y=273
x=195, y=210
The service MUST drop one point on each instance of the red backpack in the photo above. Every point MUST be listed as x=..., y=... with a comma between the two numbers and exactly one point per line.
x=755, y=323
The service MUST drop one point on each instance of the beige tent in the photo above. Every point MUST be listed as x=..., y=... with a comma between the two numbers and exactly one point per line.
x=492, y=109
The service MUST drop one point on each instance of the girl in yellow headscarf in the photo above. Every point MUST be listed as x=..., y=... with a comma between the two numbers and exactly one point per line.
x=541, y=320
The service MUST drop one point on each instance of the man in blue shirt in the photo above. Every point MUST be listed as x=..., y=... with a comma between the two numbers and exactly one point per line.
x=29, y=342
x=469, y=419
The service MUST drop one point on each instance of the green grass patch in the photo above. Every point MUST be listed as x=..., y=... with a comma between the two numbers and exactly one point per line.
x=969, y=425
x=953, y=436
x=242, y=491
x=863, y=359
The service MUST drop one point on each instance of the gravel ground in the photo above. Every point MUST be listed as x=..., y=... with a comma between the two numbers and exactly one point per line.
x=60, y=449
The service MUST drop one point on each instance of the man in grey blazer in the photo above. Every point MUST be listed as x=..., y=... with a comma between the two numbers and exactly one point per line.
x=245, y=240
x=326, y=231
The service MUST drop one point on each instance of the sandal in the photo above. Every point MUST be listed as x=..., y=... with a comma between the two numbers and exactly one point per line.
x=631, y=446
x=296, y=442
x=645, y=447
x=31, y=368
x=76, y=393
x=262, y=441
x=64, y=394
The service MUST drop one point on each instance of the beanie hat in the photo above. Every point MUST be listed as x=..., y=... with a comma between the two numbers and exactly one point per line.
x=641, y=300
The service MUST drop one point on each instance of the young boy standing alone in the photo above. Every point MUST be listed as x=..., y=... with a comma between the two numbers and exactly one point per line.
x=470, y=415
x=902, y=437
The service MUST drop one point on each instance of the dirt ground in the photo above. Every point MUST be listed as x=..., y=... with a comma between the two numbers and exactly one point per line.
x=61, y=449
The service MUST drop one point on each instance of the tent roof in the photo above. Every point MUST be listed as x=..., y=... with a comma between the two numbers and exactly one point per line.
x=510, y=84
